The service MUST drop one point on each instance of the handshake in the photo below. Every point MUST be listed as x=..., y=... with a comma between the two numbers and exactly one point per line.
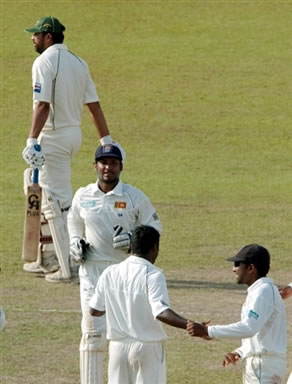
x=198, y=329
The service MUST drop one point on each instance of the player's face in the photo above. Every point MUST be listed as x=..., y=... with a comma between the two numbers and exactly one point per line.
x=241, y=272
x=39, y=42
x=108, y=170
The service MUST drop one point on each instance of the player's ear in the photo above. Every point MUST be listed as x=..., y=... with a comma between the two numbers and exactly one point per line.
x=122, y=166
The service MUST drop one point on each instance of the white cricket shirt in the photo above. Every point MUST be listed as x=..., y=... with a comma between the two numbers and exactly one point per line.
x=133, y=293
x=96, y=213
x=263, y=322
x=62, y=79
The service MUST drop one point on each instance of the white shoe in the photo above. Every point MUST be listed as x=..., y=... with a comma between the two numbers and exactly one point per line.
x=33, y=267
x=57, y=277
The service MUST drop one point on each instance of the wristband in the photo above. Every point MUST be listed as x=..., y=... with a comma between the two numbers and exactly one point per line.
x=106, y=140
x=31, y=141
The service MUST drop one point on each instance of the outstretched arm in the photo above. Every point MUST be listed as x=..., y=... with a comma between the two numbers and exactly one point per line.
x=172, y=318
x=175, y=320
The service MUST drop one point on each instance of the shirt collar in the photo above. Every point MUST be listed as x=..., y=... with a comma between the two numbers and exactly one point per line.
x=259, y=282
x=56, y=46
x=139, y=260
x=118, y=190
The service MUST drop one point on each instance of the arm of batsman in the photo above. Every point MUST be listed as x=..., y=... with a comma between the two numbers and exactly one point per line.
x=198, y=330
x=78, y=250
x=121, y=240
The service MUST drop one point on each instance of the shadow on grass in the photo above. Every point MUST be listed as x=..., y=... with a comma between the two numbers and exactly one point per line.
x=204, y=284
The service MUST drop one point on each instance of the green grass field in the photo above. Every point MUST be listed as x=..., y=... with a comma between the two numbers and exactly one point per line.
x=199, y=95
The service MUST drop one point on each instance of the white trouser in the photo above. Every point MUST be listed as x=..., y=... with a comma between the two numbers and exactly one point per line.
x=133, y=362
x=93, y=342
x=264, y=369
x=59, y=147
x=290, y=379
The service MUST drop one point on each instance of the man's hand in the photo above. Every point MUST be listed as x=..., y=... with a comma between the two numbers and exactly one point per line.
x=230, y=358
x=121, y=240
x=78, y=251
x=198, y=330
x=33, y=154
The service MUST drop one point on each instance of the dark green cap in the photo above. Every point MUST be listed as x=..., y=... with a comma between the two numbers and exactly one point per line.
x=47, y=24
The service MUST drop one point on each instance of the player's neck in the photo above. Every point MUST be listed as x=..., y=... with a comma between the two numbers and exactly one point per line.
x=108, y=186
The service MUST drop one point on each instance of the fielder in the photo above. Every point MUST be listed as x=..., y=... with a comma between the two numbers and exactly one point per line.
x=133, y=294
x=286, y=292
x=263, y=321
x=61, y=86
x=100, y=221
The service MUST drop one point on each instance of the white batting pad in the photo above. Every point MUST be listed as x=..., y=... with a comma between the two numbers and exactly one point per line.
x=91, y=358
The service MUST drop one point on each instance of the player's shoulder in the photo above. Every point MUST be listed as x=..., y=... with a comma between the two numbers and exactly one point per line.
x=86, y=190
x=267, y=288
x=156, y=271
x=133, y=191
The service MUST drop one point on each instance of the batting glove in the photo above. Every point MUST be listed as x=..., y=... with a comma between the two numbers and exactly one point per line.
x=33, y=154
x=121, y=240
x=78, y=251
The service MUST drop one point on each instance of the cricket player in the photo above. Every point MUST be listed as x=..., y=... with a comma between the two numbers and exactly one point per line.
x=263, y=321
x=133, y=294
x=286, y=292
x=61, y=86
x=100, y=221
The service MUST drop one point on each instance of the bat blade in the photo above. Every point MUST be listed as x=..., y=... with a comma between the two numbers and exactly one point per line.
x=32, y=220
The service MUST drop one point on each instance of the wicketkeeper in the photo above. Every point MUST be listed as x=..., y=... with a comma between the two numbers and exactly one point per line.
x=100, y=222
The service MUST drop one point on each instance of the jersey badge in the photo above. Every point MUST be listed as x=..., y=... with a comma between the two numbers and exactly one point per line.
x=87, y=204
x=37, y=88
x=120, y=204
x=253, y=314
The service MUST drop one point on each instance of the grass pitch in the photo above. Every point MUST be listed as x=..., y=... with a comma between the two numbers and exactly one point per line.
x=199, y=94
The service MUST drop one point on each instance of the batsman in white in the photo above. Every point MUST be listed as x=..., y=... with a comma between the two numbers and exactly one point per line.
x=61, y=86
x=262, y=327
x=100, y=221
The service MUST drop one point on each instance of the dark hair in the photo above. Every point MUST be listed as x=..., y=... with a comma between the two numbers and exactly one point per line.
x=262, y=266
x=57, y=38
x=143, y=239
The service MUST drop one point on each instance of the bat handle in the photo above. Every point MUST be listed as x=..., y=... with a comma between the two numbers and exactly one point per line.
x=35, y=176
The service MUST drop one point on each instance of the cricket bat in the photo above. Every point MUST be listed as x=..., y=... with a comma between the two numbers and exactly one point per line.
x=32, y=220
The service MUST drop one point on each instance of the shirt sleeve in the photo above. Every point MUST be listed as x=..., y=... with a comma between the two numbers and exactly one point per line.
x=42, y=80
x=98, y=299
x=258, y=311
x=91, y=95
x=157, y=293
x=146, y=213
x=74, y=220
